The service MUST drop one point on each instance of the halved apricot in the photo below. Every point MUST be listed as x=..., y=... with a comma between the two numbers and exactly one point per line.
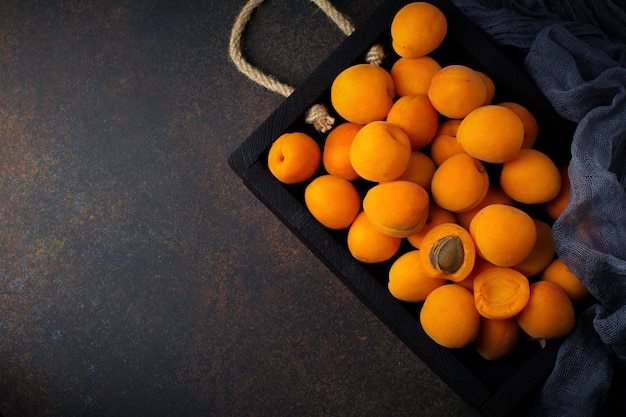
x=447, y=251
x=500, y=293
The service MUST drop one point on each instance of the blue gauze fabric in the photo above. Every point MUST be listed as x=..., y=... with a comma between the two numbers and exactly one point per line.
x=575, y=51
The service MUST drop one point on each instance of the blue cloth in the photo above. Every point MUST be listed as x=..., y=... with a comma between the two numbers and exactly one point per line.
x=575, y=51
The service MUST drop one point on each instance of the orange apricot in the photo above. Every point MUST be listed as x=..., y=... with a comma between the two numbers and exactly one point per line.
x=333, y=201
x=549, y=313
x=416, y=117
x=449, y=127
x=417, y=29
x=408, y=281
x=560, y=274
x=555, y=207
x=490, y=87
x=362, y=93
x=504, y=235
x=500, y=292
x=447, y=251
x=491, y=133
x=436, y=216
x=449, y=316
x=336, y=152
x=396, y=208
x=380, y=152
x=479, y=265
x=367, y=244
x=456, y=90
x=497, y=338
x=459, y=183
x=541, y=254
x=531, y=126
x=411, y=76
x=531, y=177
x=494, y=195
x=444, y=146
x=420, y=170
x=294, y=157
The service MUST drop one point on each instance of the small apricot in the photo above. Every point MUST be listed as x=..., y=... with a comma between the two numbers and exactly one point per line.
x=420, y=170
x=557, y=205
x=490, y=86
x=367, y=244
x=417, y=29
x=294, y=157
x=436, y=216
x=497, y=338
x=449, y=316
x=333, y=201
x=416, y=117
x=491, y=133
x=500, y=293
x=460, y=183
x=408, y=281
x=504, y=235
x=411, y=76
x=560, y=274
x=447, y=251
x=397, y=208
x=531, y=177
x=549, y=313
x=531, y=126
x=456, y=90
x=541, y=254
x=336, y=152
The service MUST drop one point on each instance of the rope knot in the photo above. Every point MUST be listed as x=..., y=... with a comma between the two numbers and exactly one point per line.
x=318, y=116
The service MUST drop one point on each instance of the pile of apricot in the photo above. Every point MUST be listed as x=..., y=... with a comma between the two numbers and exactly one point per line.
x=425, y=138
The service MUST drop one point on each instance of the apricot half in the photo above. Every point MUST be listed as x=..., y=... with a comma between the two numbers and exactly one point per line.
x=447, y=251
x=500, y=293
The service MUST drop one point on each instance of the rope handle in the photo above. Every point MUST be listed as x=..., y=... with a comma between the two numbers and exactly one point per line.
x=317, y=115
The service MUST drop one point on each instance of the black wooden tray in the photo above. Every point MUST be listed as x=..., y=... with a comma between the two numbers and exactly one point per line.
x=494, y=388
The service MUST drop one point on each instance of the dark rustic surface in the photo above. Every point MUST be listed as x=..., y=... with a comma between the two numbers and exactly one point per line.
x=138, y=276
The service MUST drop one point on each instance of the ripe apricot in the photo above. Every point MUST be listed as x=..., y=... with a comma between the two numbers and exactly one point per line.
x=479, y=265
x=436, y=216
x=294, y=157
x=555, y=207
x=362, y=93
x=417, y=29
x=504, y=235
x=500, y=292
x=460, y=183
x=531, y=177
x=456, y=90
x=367, y=244
x=449, y=127
x=449, y=316
x=495, y=195
x=380, y=152
x=420, y=170
x=408, y=281
x=416, y=117
x=490, y=87
x=396, y=208
x=491, y=133
x=531, y=126
x=549, y=313
x=541, y=254
x=561, y=275
x=447, y=251
x=336, y=152
x=333, y=201
x=411, y=76
x=497, y=338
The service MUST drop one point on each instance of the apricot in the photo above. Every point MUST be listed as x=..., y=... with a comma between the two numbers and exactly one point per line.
x=380, y=152
x=504, y=235
x=367, y=244
x=449, y=127
x=491, y=133
x=500, y=293
x=531, y=177
x=447, y=251
x=333, y=201
x=449, y=316
x=416, y=117
x=479, y=265
x=420, y=170
x=456, y=90
x=362, y=93
x=495, y=195
x=490, y=87
x=531, y=126
x=336, y=152
x=555, y=207
x=408, y=281
x=459, y=183
x=497, y=338
x=549, y=313
x=294, y=157
x=436, y=216
x=541, y=254
x=417, y=29
x=558, y=273
x=411, y=76
x=396, y=208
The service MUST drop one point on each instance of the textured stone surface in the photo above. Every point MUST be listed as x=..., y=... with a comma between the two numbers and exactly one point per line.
x=138, y=277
